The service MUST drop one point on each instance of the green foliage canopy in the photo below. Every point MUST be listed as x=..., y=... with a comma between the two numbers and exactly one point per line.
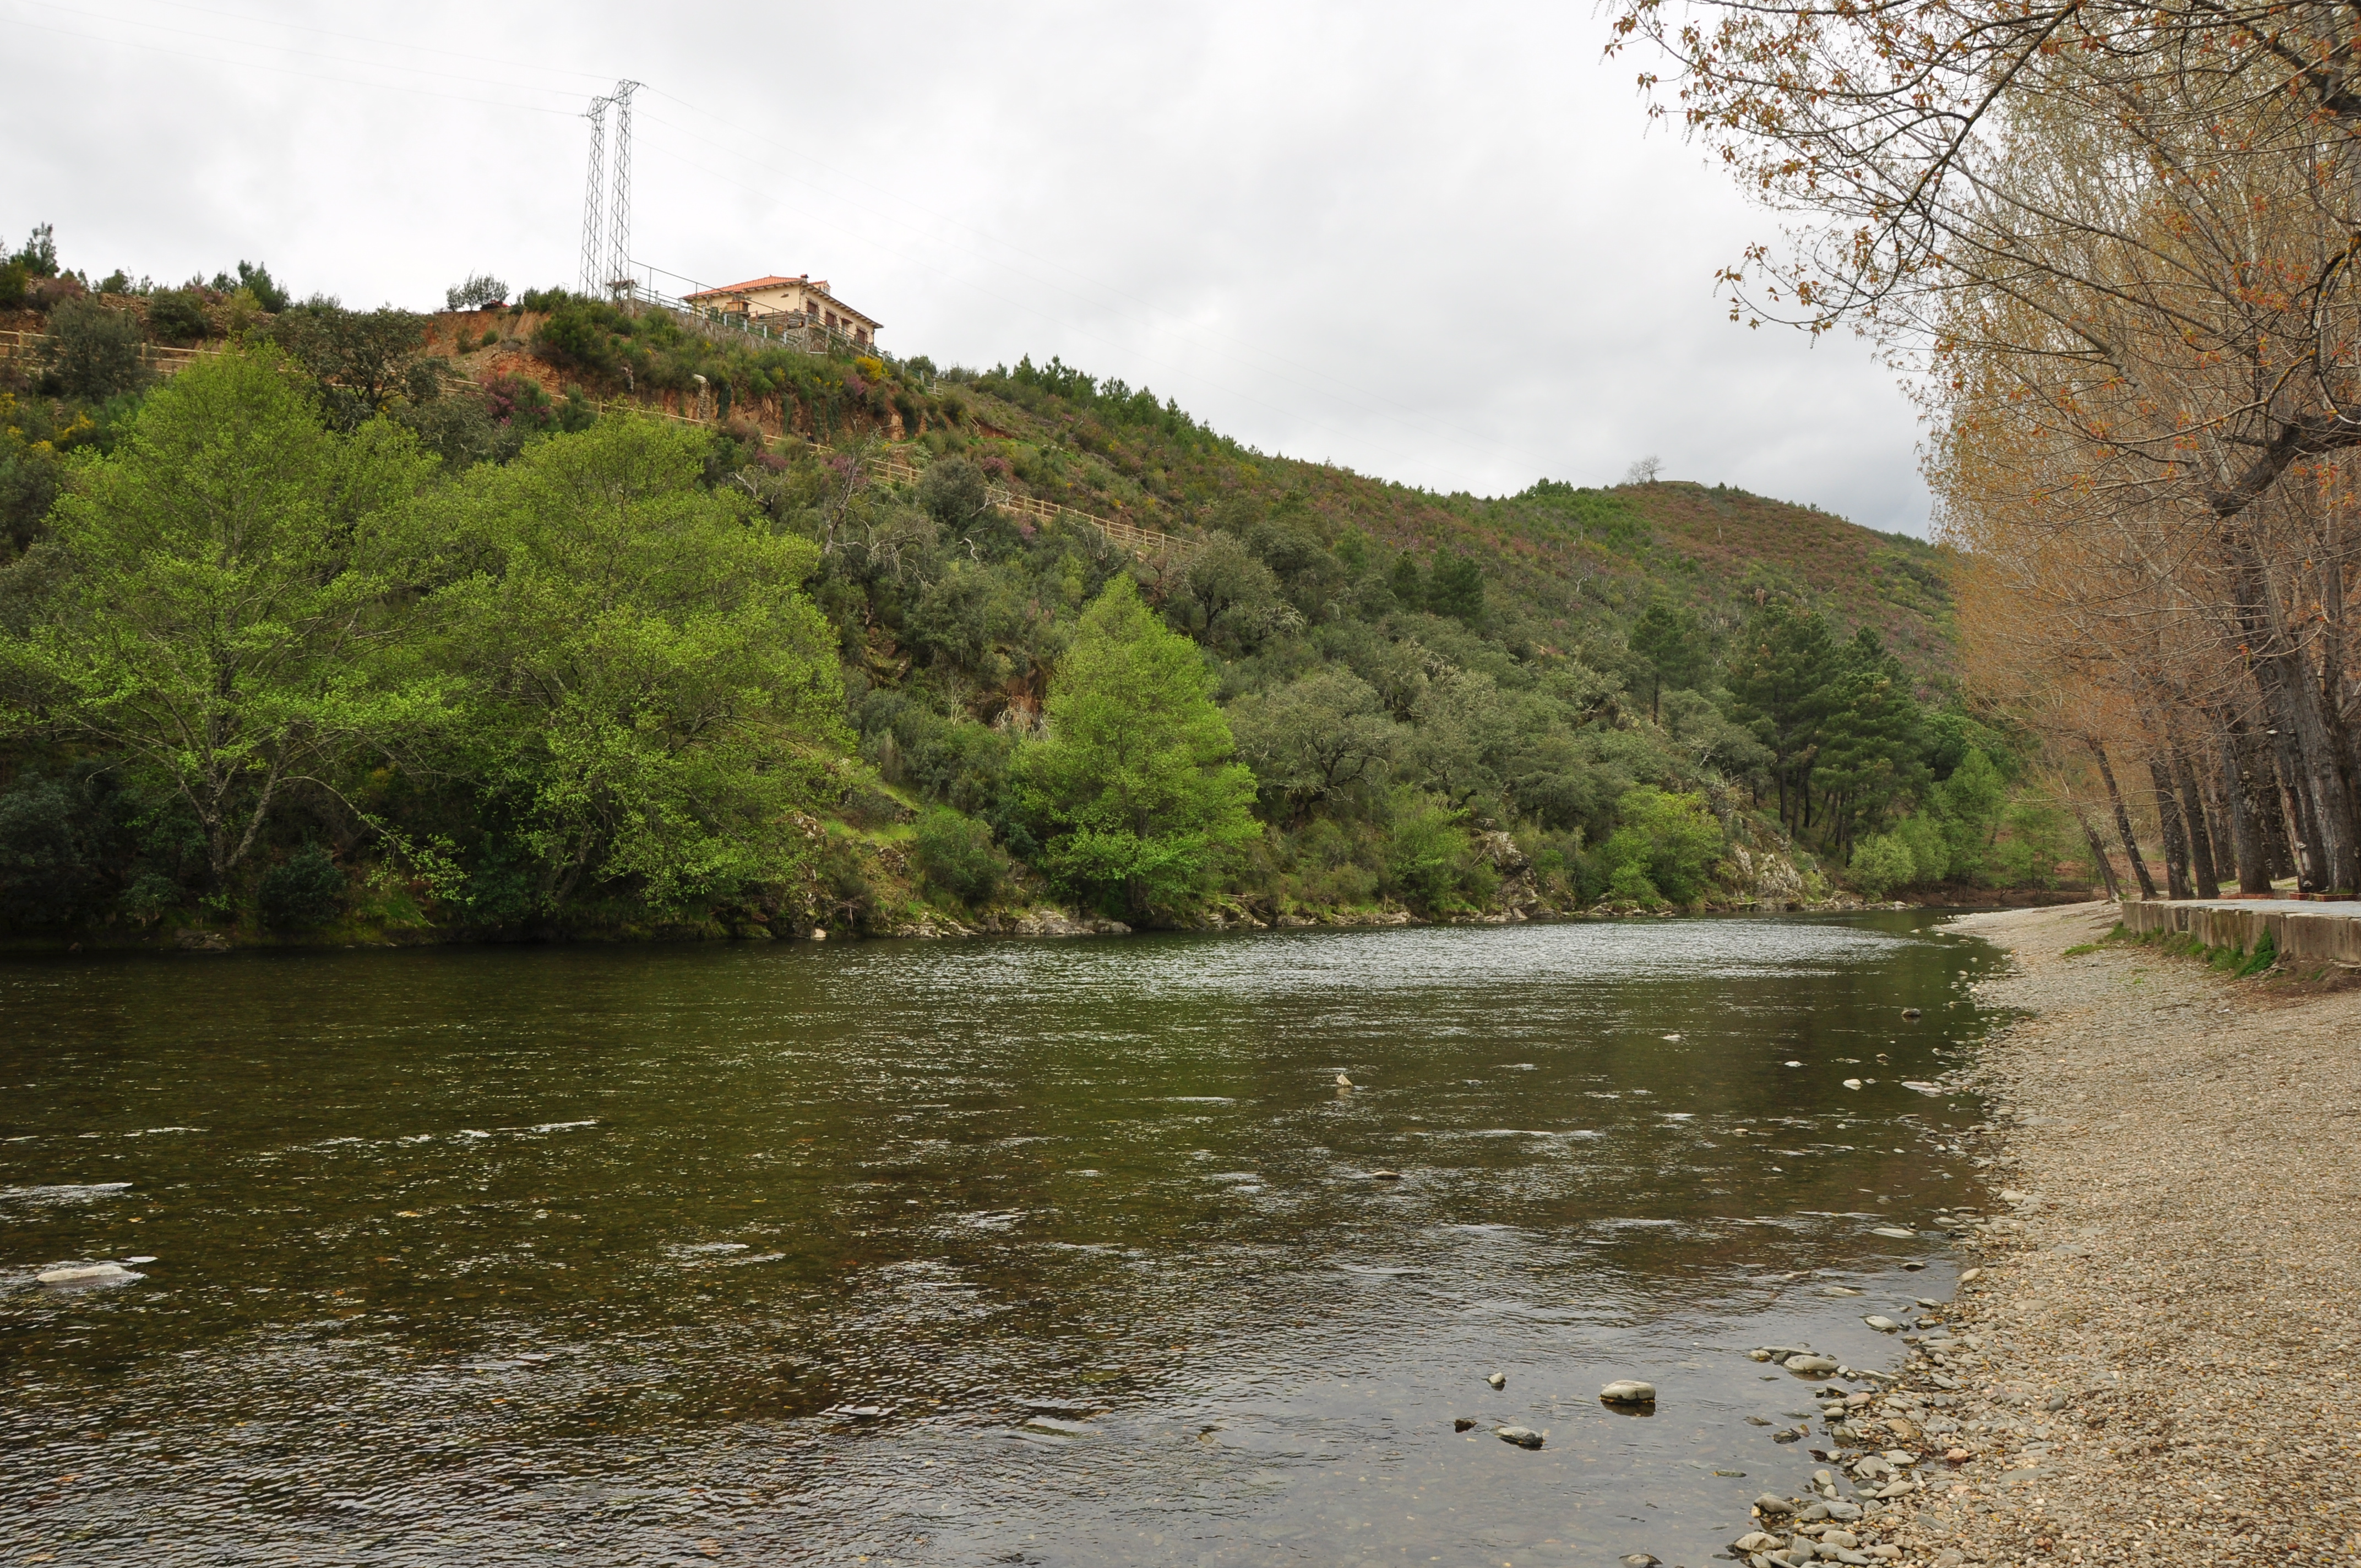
x=1134, y=783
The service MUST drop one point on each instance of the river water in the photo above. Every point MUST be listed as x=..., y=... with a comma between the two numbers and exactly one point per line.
x=950, y=1253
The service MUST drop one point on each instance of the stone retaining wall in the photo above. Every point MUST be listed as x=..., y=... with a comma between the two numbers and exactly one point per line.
x=2300, y=934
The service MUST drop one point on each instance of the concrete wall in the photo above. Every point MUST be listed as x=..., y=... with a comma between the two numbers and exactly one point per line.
x=2298, y=934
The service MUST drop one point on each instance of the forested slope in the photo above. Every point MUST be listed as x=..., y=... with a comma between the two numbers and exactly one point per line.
x=765, y=684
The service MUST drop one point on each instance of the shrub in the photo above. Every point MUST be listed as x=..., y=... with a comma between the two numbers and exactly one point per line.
x=1880, y=862
x=956, y=856
x=305, y=889
x=1672, y=839
x=95, y=353
x=1630, y=885
x=177, y=316
x=150, y=898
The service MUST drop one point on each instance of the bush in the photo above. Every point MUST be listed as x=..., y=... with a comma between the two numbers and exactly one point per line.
x=1880, y=862
x=1630, y=885
x=306, y=889
x=1671, y=839
x=956, y=856
x=95, y=352
x=177, y=316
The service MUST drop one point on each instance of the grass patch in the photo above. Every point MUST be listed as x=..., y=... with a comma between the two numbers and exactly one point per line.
x=2079, y=948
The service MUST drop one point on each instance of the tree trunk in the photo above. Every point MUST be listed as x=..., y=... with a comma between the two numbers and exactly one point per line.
x=2168, y=828
x=2100, y=864
x=2202, y=864
x=2123, y=819
x=2308, y=755
x=2240, y=800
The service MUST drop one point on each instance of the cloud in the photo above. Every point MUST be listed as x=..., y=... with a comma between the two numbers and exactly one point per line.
x=1438, y=246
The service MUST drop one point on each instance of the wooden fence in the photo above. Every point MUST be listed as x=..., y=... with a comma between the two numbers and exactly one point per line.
x=16, y=344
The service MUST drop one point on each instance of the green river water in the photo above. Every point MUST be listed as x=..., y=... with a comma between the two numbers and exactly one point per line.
x=1056, y=1253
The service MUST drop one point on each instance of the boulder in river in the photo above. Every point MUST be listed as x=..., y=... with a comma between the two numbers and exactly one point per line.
x=1461, y=1423
x=1523, y=1437
x=1771, y=1506
x=1497, y=1380
x=85, y=1274
x=1883, y=1323
x=1811, y=1364
x=1628, y=1391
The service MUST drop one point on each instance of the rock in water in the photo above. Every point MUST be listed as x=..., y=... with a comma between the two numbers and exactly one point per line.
x=1811, y=1364
x=1498, y=1379
x=1628, y=1391
x=1852, y=1083
x=1385, y=1176
x=1640, y=1560
x=1883, y=1323
x=1523, y=1437
x=84, y=1274
x=1897, y=1232
x=1461, y=1423
x=1912, y=1013
x=1771, y=1506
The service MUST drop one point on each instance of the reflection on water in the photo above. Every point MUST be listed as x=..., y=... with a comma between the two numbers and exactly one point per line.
x=1054, y=1253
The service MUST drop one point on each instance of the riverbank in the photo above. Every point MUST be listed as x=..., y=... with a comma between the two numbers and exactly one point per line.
x=2167, y=1320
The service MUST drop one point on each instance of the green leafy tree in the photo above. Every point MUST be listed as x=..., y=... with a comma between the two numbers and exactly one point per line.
x=365, y=363
x=957, y=856
x=226, y=616
x=94, y=350
x=1315, y=738
x=1871, y=739
x=1882, y=862
x=1135, y=787
x=1456, y=588
x=1779, y=681
x=1968, y=808
x=1665, y=645
x=668, y=695
x=1671, y=840
x=253, y=278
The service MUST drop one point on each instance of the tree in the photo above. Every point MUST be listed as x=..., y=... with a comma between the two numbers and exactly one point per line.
x=1665, y=644
x=1778, y=689
x=364, y=362
x=255, y=279
x=665, y=696
x=1455, y=589
x=1670, y=840
x=95, y=353
x=226, y=618
x=1135, y=787
x=1314, y=740
x=481, y=289
x=1882, y=862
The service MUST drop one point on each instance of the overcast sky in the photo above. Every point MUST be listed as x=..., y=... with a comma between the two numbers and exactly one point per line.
x=1438, y=245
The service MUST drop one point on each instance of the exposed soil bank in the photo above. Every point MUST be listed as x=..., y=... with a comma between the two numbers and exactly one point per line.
x=2167, y=1339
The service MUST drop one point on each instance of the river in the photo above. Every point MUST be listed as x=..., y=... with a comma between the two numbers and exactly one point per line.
x=1053, y=1253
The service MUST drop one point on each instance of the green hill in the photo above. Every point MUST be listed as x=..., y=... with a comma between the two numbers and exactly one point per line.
x=1451, y=705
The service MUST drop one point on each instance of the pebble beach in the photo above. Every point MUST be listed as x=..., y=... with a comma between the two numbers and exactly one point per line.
x=2151, y=1358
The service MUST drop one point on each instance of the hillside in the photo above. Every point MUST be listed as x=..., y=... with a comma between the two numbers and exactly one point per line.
x=1401, y=704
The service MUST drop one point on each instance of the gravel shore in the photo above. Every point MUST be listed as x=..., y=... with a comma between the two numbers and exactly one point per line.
x=2156, y=1362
